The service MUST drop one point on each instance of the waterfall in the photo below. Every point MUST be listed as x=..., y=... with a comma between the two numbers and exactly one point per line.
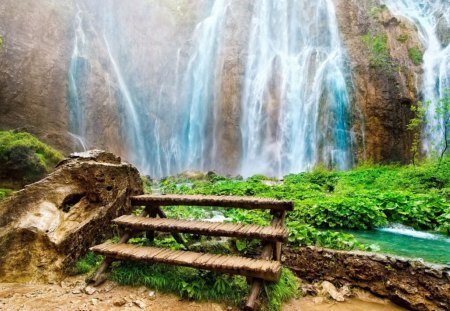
x=432, y=19
x=77, y=70
x=200, y=89
x=295, y=100
x=167, y=84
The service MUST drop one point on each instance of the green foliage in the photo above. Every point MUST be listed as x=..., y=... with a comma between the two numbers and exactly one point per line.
x=402, y=38
x=416, y=55
x=443, y=116
x=415, y=125
x=25, y=157
x=376, y=11
x=378, y=47
x=4, y=193
x=200, y=285
x=87, y=263
x=1, y=41
x=301, y=234
x=349, y=212
x=367, y=197
x=285, y=289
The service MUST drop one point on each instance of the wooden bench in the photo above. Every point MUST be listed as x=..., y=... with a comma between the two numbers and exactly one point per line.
x=266, y=268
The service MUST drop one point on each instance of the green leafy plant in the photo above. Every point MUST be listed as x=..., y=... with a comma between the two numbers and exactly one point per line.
x=415, y=125
x=443, y=115
x=416, y=55
x=378, y=48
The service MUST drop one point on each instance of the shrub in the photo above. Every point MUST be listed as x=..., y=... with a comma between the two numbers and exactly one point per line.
x=416, y=55
x=378, y=49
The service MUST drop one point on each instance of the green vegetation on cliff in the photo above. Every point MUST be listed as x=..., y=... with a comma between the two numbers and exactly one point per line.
x=416, y=55
x=379, y=51
x=24, y=158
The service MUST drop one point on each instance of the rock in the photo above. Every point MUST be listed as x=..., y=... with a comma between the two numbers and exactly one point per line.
x=45, y=227
x=76, y=291
x=415, y=285
x=89, y=290
x=139, y=303
x=152, y=295
x=119, y=302
x=309, y=289
x=330, y=289
x=94, y=301
x=383, y=93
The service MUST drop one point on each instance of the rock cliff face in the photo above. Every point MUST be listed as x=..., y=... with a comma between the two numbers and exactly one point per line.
x=34, y=62
x=385, y=78
x=45, y=227
x=39, y=42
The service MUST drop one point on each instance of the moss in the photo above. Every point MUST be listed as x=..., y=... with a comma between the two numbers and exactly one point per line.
x=402, y=38
x=25, y=157
x=376, y=11
x=416, y=55
x=378, y=48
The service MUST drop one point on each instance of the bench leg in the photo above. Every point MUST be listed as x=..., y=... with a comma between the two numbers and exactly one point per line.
x=100, y=276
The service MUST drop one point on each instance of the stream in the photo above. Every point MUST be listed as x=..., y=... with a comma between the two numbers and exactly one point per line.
x=404, y=241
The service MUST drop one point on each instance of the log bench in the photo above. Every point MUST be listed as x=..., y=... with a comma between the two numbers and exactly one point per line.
x=266, y=268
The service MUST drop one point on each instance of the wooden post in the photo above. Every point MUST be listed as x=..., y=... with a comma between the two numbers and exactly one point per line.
x=278, y=221
x=152, y=213
x=100, y=277
x=176, y=236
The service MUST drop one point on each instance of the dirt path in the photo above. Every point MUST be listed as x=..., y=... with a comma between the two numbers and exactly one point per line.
x=71, y=296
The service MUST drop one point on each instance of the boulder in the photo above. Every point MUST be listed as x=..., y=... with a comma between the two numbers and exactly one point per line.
x=45, y=227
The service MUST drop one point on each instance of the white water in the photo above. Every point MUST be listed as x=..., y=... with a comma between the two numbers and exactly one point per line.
x=408, y=231
x=76, y=68
x=295, y=101
x=294, y=88
x=200, y=88
x=432, y=19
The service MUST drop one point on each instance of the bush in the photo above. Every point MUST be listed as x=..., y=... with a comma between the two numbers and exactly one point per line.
x=24, y=158
x=378, y=48
x=416, y=56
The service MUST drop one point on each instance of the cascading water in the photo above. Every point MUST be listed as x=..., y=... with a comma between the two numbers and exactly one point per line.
x=294, y=104
x=432, y=19
x=295, y=100
x=76, y=70
x=200, y=89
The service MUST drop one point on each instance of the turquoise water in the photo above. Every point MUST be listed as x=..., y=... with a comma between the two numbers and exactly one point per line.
x=403, y=241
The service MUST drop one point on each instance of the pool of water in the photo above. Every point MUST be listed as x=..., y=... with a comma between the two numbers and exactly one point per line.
x=403, y=241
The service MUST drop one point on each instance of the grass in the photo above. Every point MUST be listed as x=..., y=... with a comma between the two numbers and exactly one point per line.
x=5, y=192
x=193, y=284
x=416, y=55
x=202, y=285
